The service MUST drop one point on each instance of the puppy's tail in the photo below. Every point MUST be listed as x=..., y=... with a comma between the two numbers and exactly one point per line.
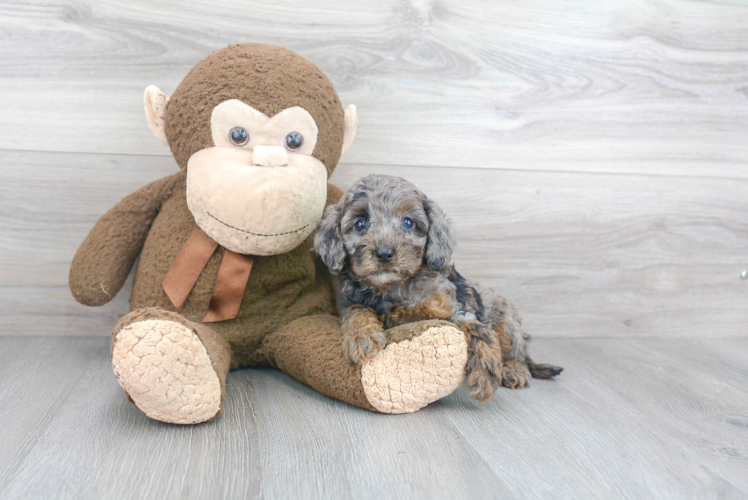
x=543, y=370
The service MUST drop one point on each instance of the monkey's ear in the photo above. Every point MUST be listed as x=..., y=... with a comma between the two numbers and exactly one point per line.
x=328, y=242
x=439, y=241
x=351, y=122
x=155, y=111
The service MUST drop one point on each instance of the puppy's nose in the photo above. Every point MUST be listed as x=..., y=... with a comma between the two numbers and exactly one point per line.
x=269, y=156
x=385, y=254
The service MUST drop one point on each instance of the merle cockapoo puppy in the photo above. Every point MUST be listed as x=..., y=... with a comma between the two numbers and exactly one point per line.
x=392, y=246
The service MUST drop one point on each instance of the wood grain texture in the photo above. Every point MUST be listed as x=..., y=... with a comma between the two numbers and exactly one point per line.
x=629, y=418
x=598, y=254
x=648, y=86
x=581, y=254
x=37, y=375
x=48, y=203
x=591, y=156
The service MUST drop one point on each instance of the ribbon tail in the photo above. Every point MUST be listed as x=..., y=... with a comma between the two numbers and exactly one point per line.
x=187, y=267
x=229, y=288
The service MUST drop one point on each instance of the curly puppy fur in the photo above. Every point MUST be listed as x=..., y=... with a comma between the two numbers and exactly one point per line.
x=391, y=246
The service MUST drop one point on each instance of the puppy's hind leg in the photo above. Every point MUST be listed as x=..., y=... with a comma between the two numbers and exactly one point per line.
x=508, y=326
x=518, y=367
x=515, y=374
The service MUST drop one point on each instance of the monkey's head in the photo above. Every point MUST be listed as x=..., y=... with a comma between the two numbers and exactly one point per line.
x=259, y=129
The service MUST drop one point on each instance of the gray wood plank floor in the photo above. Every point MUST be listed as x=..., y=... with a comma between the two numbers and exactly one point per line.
x=629, y=418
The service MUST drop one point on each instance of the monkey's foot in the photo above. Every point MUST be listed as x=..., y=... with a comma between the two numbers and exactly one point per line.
x=427, y=365
x=515, y=375
x=166, y=371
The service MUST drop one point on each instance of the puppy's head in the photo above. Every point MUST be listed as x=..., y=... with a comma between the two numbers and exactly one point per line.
x=383, y=230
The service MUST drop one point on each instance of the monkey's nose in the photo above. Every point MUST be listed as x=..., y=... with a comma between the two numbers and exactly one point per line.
x=269, y=156
x=384, y=254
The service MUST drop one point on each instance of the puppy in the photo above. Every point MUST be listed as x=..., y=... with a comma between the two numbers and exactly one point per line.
x=391, y=247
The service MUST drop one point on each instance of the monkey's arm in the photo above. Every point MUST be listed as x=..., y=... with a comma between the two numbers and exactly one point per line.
x=104, y=259
x=363, y=333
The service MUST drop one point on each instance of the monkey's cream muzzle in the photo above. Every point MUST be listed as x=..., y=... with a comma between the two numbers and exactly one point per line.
x=270, y=156
x=256, y=209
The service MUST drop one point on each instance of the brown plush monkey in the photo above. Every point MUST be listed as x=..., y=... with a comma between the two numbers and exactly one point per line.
x=226, y=277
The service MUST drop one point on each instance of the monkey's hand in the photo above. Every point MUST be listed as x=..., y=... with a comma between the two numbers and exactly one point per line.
x=484, y=364
x=104, y=259
x=363, y=334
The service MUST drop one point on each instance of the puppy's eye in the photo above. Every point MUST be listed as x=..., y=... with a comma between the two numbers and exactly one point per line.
x=239, y=136
x=360, y=225
x=294, y=140
x=408, y=223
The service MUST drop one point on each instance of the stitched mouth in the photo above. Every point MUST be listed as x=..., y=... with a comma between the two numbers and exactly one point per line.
x=256, y=234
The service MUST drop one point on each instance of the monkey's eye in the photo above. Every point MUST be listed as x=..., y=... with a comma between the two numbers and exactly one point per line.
x=294, y=140
x=360, y=225
x=239, y=136
x=408, y=223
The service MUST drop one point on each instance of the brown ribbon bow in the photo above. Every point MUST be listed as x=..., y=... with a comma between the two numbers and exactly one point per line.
x=230, y=282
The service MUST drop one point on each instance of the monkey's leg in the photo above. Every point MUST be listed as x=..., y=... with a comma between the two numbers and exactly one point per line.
x=421, y=363
x=174, y=370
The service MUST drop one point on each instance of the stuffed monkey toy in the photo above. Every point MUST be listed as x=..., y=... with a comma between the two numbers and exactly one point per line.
x=226, y=276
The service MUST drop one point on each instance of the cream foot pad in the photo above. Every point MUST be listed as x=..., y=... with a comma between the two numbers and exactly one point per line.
x=166, y=370
x=408, y=375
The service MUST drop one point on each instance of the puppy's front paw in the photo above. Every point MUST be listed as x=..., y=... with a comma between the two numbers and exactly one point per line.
x=483, y=379
x=516, y=375
x=363, y=345
x=484, y=365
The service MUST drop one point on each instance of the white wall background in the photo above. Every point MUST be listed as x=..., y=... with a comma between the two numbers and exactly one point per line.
x=593, y=155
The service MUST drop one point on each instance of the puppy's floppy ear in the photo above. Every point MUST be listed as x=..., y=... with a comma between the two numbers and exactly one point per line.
x=440, y=241
x=328, y=242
